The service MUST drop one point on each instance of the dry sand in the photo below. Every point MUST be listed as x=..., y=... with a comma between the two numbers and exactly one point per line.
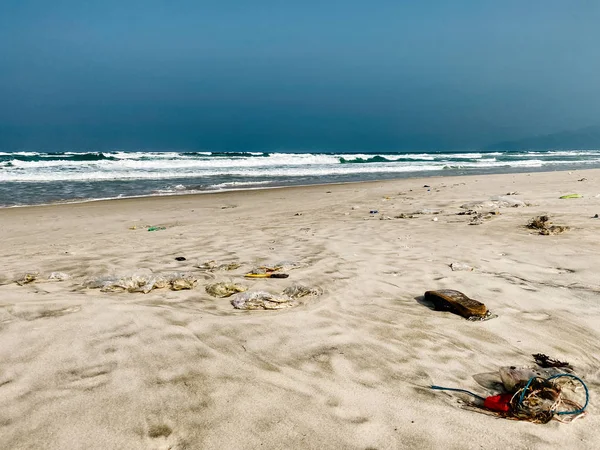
x=83, y=369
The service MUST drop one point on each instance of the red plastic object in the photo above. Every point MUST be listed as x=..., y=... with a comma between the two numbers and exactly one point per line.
x=498, y=402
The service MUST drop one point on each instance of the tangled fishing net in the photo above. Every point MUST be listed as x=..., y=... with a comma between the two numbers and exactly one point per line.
x=540, y=400
x=535, y=395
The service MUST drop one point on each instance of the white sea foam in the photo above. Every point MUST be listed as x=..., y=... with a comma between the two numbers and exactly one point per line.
x=173, y=165
x=273, y=172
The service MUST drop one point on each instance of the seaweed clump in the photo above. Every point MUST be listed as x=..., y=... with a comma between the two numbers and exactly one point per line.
x=545, y=227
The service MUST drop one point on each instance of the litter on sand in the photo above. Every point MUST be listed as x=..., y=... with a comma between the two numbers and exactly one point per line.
x=570, y=196
x=480, y=217
x=426, y=211
x=298, y=291
x=26, y=278
x=458, y=267
x=536, y=395
x=458, y=303
x=214, y=266
x=261, y=300
x=273, y=270
x=58, y=276
x=282, y=265
x=495, y=202
x=224, y=289
x=142, y=281
x=266, y=275
x=30, y=277
x=545, y=227
x=156, y=228
x=180, y=258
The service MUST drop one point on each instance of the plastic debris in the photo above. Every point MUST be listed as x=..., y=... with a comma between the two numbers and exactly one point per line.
x=428, y=211
x=26, y=278
x=289, y=265
x=261, y=300
x=571, y=196
x=458, y=303
x=298, y=291
x=511, y=376
x=404, y=216
x=156, y=228
x=266, y=275
x=180, y=258
x=536, y=395
x=58, y=276
x=457, y=267
x=180, y=282
x=545, y=227
x=373, y=211
x=495, y=202
x=213, y=266
x=479, y=218
x=224, y=289
x=142, y=281
x=500, y=403
x=278, y=266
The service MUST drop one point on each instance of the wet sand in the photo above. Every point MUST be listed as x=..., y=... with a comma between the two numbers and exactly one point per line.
x=351, y=368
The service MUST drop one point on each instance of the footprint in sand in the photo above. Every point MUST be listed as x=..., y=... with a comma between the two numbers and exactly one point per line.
x=86, y=378
x=160, y=436
x=42, y=313
x=160, y=430
x=536, y=317
x=528, y=316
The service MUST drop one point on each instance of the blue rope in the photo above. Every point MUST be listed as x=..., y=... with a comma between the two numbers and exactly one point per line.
x=440, y=388
x=560, y=375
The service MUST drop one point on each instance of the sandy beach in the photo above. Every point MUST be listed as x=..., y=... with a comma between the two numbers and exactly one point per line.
x=348, y=369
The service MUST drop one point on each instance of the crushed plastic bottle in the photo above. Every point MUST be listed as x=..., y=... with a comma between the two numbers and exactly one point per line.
x=278, y=266
x=58, y=276
x=142, y=281
x=298, y=291
x=214, y=266
x=26, y=278
x=224, y=289
x=261, y=300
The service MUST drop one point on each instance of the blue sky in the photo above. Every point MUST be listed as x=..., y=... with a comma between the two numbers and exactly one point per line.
x=240, y=75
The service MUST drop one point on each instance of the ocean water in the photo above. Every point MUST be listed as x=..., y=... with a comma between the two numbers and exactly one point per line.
x=28, y=178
